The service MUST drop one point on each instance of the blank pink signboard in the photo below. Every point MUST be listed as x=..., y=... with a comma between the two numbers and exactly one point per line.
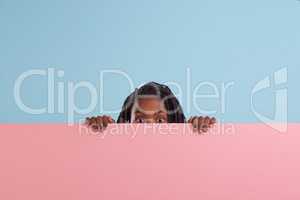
x=238, y=161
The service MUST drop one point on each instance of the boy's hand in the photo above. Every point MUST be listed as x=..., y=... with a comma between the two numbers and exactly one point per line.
x=202, y=124
x=99, y=123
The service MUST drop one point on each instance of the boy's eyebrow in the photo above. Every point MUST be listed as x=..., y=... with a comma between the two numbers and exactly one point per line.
x=138, y=112
x=159, y=112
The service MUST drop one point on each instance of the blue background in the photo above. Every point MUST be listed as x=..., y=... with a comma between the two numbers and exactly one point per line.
x=220, y=41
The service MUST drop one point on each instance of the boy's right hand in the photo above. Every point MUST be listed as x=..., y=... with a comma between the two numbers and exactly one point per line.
x=99, y=123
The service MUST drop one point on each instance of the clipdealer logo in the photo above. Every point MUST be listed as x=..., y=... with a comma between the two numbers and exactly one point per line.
x=57, y=87
x=279, y=121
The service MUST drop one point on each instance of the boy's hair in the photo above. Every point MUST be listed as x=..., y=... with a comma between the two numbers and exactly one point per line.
x=172, y=105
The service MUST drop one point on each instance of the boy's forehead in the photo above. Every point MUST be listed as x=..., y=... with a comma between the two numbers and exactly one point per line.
x=148, y=96
x=149, y=103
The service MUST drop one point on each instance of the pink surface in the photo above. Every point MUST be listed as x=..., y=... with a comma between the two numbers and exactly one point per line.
x=60, y=162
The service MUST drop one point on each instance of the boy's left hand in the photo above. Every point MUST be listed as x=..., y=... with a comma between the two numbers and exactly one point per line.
x=202, y=124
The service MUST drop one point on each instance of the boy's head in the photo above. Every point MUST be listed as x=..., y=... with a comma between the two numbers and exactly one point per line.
x=151, y=103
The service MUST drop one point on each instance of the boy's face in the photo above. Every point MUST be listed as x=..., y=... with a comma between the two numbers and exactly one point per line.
x=149, y=110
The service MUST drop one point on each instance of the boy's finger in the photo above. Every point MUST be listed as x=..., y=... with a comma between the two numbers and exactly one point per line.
x=204, y=128
x=105, y=121
x=195, y=122
x=93, y=120
x=110, y=119
x=87, y=121
x=200, y=123
x=213, y=120
x=206, y=120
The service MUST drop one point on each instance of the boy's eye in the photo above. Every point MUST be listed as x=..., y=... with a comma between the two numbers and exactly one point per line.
x=161, y=120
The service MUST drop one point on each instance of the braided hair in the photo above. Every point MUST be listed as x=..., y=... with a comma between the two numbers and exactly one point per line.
x=172, y=105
